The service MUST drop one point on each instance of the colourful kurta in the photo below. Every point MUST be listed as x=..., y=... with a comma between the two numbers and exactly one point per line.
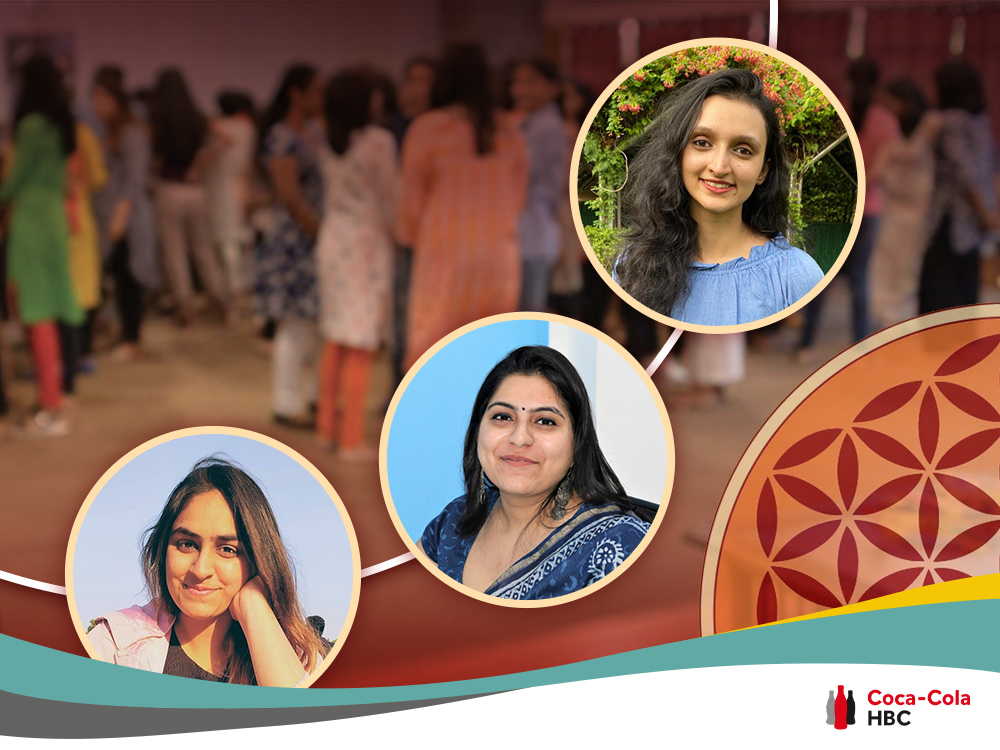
x=88, y=174
x=459, y=212
x=38, y=239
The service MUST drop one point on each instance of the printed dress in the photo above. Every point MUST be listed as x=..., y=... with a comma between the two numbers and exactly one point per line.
x=286, y=269
x=355, y=250
x=582, y=551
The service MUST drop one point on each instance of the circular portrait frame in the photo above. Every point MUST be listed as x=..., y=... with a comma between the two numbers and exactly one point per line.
x=598, y=336
x=603, y=98
x=262, y=440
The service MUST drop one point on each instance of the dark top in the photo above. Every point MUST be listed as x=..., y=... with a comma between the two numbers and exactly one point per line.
x=180, y=664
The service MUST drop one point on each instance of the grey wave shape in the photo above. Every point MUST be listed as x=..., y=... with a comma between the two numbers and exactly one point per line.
x=38, y=718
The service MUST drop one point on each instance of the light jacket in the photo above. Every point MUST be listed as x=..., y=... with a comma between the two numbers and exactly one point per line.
x=134, y=637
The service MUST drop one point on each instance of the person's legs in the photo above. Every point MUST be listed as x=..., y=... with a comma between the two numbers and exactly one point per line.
x=535, y=285
x=326, y=408
x=936, y=273
x=354, y=382
x=69, y=349
x=294, y=347
x=206, y=259
x=43, y=339
x=400, y=300
x=856, y=266
x=173, y=243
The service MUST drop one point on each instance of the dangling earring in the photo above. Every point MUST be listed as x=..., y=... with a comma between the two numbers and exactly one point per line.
x=481, y=495
x=563, y=495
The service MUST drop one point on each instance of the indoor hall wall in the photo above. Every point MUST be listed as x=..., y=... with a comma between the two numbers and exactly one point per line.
x=226, y=44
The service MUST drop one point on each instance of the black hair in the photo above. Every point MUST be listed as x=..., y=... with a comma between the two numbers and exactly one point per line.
x=420, y=60
x=545, y=68
x=654, y=261
x=587, y=96
x=347, y=105
x=912, y=103
x=863, y=74
x=463, y=77
x=179, y=127
x=42, y=90
x=233, y=103
x=299, y=77
x=959, y=87
x=591, y=477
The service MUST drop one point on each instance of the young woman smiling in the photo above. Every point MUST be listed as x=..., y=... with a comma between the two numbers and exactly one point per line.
x=224, y=606
x=706, y=208
x=543, y=514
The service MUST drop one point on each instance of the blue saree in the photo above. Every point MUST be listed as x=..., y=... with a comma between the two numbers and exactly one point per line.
x=583, y=550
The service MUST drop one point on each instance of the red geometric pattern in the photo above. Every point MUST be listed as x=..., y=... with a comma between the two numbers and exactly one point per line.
x=871, y=486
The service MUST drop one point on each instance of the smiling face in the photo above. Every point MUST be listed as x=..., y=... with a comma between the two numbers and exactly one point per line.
x=206, y=564
x=723, y=160
x=525, y=441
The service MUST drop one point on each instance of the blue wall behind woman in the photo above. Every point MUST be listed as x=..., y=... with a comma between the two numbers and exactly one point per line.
x=424, y=459
x=428, y=429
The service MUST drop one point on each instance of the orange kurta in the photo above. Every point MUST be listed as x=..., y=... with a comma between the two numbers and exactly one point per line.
x=459, y=212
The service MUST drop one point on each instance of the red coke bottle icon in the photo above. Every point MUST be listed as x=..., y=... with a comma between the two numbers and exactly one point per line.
x=840, y=709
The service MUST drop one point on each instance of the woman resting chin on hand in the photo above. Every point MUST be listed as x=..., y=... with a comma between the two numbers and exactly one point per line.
x=212, y=563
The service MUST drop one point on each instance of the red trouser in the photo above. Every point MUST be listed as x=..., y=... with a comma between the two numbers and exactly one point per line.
x=44, y=341
x=344, y=373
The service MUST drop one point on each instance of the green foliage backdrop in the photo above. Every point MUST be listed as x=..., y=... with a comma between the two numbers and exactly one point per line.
x=810, y=122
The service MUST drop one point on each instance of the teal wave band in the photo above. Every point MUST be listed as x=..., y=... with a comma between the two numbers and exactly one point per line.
x=952, y=634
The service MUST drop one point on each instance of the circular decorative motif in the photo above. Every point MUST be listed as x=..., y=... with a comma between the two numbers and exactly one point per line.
x=877, y=474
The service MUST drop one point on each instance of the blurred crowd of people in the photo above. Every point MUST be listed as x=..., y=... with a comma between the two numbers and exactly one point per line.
x=348, y=215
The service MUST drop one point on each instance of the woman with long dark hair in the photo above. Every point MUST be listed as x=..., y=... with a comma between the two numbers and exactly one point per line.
x=464, y=182
x=125, y=208
x=706, y=207
x=285, y=290
x=543, y=514
x=353, y=255
x=38, y=240
x=180, y=139
x=224, y=606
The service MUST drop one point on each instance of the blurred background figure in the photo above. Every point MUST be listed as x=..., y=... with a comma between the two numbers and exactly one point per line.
x=181, y=160
x=413, y=99
x=534, y=89
x=87, y=173
x=907, y=184
x=38, y=245
x=125, y=209
x=877, y=128
x=963, y=206
x=228, y=184
x=354, y=256
x=464, y=183
x=286, y=270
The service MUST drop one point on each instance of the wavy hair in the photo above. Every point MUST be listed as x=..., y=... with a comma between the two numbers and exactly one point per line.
x=654, y=260
x=591, y=478
x=259, y=537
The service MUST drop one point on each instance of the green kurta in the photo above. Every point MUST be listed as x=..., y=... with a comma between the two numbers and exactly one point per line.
x=38, y=238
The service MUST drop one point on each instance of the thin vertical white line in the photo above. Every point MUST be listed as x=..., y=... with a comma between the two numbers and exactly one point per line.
x=772, y=30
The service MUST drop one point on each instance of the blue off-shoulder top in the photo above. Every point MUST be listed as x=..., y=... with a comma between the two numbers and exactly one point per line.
x=743, y=290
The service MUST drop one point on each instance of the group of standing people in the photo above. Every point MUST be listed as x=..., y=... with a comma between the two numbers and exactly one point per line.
x=373, y=215
x=931, y=212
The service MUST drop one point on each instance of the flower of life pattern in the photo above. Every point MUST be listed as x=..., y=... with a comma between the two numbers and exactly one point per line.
x=884, y=478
